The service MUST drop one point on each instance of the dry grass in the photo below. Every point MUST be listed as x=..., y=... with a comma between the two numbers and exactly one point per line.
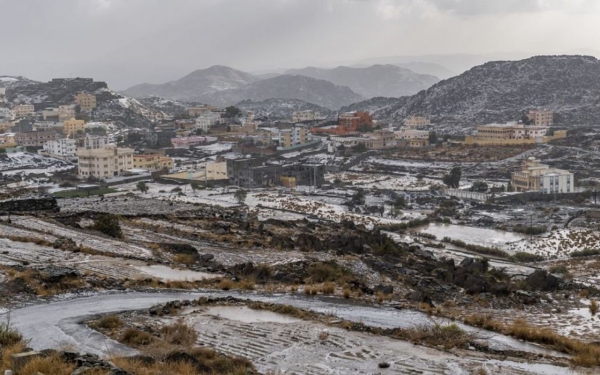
x=346, y=293
x=328, y=288
x=247, y=284
x=9, y=336
x=448, y=336
x=323, y=336
x=484, y=321
x=226, y=284
x=179, y=333
x=135, y=337
x=583, y=354
x=48, y=366
x=7, y=352
x=584, y=293
x=110, y=322
x=594, y=307
x=184, y=259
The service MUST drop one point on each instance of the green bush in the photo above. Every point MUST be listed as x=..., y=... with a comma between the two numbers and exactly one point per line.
x=109, y=225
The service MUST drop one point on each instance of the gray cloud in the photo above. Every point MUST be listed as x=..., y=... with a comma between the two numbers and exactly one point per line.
x=126, y=42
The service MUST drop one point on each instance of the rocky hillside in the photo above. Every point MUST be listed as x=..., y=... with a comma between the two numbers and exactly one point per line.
x=310, y=90
x=11, y=81
x=52, y=93
x=279, y=109
x=503, y=90
x=373, y=81
x=196, y=86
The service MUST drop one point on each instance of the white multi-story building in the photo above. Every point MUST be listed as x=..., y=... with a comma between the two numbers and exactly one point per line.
x=5, y=114
x=535, y=176
x=93, y=142
x=61, y=147
x=66, y=112
x=408, y=133
x=309, y=115
x=104, y=162
x=205, y=121
x=297, y=135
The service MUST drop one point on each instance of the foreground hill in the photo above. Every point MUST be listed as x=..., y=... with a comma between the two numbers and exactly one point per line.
x=503, y=91
x=372, y=81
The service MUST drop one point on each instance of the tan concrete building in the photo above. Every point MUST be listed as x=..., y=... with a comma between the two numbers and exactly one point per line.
x=104, y=162
x=24, y=110
x=72, y=126
x=381, y=140
x=86, y=102
x=541, y=118
x=216, y=170
x=35, y=139
x=417, y=122
x=294, y=136
x=152, y=162
x=535, y=176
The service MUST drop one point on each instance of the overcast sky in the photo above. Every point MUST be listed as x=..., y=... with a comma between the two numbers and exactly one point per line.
x=126, y=42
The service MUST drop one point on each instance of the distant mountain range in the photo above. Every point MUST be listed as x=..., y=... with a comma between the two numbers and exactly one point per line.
x=220, y=85
x=372, y=81
x=196, y=86
x=280, y=109
x=500, y=91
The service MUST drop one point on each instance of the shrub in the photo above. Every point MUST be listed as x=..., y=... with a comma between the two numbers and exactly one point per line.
x=328, y=288
x=593, y=307
x=110, y=322
x=9, y=336
x=524, y=257
x=560, y=268
x=448, y=336
x=109, y=225
x=53, y=365
x=325, y=271
x=226, y=284
x=585, y=253
x=179, y=333
x=529, y=230
x=135, y=337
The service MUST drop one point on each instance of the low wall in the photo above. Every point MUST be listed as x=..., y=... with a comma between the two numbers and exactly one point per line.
x=471, y=140
x=466, y=194
x=29, y=205
x=539, y=197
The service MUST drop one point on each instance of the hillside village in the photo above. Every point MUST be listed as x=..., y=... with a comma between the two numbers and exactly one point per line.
x=224, y=222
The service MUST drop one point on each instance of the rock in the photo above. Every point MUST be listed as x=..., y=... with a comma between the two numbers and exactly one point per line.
x=55, y=274
x=206, y=257
x=542, y=280
x=20, y=360
x=220, y=231
x=418, y=296
x=385, y=289
x=309, y=242
x=425, y=254
x=281, y=242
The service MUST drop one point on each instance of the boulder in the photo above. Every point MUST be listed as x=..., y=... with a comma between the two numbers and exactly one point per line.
x=385, y=289
x=542, y=280
x=55, y=274
x=309, y=242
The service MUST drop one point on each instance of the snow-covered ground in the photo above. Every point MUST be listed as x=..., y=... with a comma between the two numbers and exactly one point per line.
x=559, y=243
x=382, y=181
x=24, y=163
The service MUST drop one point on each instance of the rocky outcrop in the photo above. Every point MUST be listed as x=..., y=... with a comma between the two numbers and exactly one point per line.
x=542, y=280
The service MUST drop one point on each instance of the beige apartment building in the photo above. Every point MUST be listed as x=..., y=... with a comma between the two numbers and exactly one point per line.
x=87, y=102
x=104, y=162
x=417, y=122
x=541, y=118
x=72, y=126
x=152, y=162
x=294, y=136
x=24, y=110
x=216, y=170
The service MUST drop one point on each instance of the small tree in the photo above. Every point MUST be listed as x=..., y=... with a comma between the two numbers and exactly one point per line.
x=359, y=148
x=232, y=112
x=141, y=186
x=195, y=185
x=452, y=179
x=400, y=202
x=359, y=197
x=109, y=225
x=240, y=195
x=480, y=186
x=433, y=139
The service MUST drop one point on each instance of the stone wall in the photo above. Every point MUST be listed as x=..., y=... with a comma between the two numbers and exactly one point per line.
x=29, y=205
